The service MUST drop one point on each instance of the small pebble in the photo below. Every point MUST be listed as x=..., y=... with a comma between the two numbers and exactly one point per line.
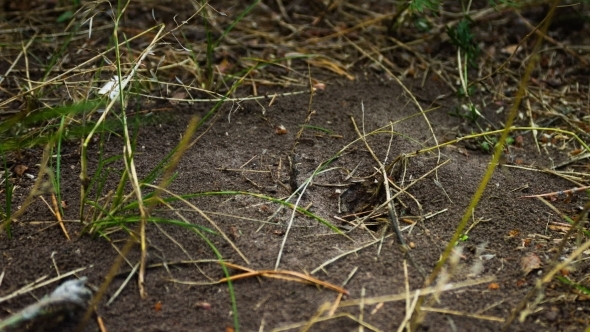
x=551, y=314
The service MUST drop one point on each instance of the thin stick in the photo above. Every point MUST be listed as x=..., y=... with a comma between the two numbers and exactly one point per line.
x=120, y=289
x=560, y=193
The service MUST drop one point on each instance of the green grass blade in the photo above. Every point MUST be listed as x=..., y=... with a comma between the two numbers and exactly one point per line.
x=301, y=210
x=239, y=18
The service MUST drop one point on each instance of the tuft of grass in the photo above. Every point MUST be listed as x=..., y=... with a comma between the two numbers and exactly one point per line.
x=461, y=37
x=27, y=130
x=420, y=6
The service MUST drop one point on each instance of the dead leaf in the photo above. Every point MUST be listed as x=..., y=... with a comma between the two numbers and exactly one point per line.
x=559, y=228
x=234, y=234
x=526, y=242
x=510, y=49
x=224, y=66
x=178, y=96
x=530, y=262
x=158, y=306
x=493, y=286
x=330, y=65
x=203, y=305
x=20, y=169
x=280, y=130
x=319, y=86
x=514, y=233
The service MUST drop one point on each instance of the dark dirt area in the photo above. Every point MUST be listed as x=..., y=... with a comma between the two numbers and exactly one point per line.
x=247, y=154
x=274, y=141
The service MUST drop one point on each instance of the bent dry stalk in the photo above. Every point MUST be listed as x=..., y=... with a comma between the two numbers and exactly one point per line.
x=51, y=309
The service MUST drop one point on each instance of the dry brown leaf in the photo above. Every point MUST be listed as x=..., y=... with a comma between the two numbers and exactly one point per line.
x=20, y=169
x=181, y=94
x=408, y=221
x=224, y=66
x=510, y=49
x=177, y=96
x=514, y=233
x=280, y=130
x=319, y=86
x=493, y=286
x=158, y=306
x=559, y=228
x=530, y=262
x=526, y=242
x=203, y=305
x=330, y=65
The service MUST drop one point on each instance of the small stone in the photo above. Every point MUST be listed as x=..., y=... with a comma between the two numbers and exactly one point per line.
x=552, y=314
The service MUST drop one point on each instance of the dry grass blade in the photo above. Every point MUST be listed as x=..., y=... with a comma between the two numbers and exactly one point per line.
x=464, y=314
x=305, y=326
x=421, y=292
x=344, y=254
x=540, y=284
x=280, y=274
x=407, y=91
x=202, y=214
x=58, y=216
x=252, y=60
x=410, y=305
x=384, y=299
x=390, y=208
x=558, y=194
x=496, y=158
x=123, y=285
x=384, y=204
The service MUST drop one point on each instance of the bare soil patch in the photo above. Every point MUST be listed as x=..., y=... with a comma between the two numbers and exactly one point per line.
x=240, y=154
